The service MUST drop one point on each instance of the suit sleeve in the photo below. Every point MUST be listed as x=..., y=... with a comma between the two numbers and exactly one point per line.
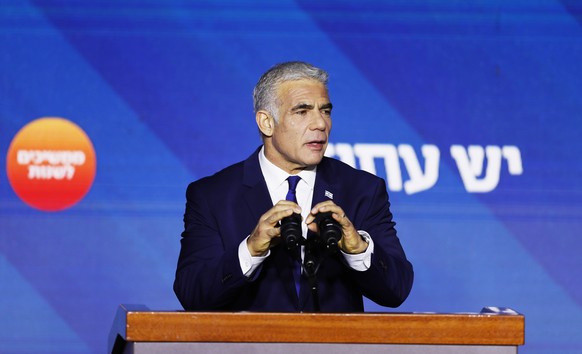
x=389, y=279
x=208, y=274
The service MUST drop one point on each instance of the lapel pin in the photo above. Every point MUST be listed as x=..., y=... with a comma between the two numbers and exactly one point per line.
x=329, y=194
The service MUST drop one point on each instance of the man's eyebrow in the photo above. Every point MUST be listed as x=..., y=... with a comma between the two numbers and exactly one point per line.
x=301, y=106
x=326, y=106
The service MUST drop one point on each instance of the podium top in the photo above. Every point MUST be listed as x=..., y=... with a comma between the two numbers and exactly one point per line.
x=138, y=324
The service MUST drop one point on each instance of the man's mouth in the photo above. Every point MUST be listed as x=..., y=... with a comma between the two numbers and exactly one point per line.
x=317, y=144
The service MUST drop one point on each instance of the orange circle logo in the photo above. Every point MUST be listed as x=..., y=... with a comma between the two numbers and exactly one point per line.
x=51, y=164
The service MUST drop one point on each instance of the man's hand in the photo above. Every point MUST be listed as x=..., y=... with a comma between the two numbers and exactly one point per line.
x=351, y=241
x=267, y=233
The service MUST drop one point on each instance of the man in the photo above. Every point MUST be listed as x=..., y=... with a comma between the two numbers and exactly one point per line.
x=232, y=257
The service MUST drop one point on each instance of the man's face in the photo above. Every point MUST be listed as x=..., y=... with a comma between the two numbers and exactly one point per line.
x=300, y=137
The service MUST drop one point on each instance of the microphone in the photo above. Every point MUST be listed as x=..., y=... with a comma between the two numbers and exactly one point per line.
x=291, y=231
x=330, y=230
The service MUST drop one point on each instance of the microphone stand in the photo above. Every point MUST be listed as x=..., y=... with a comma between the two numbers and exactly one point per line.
x=315, y=253
x=311, y=266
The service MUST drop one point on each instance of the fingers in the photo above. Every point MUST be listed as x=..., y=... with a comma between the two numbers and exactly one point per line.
x=329, y=206
x=279, y=211
x=267, y=228
x=351, y=242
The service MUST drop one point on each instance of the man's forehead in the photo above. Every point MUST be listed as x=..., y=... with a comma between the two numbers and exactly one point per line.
x=306, y=90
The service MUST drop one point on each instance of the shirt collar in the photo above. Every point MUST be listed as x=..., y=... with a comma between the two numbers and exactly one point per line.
x=275, y=176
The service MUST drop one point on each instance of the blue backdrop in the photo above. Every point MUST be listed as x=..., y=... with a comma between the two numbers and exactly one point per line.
x=469, y=109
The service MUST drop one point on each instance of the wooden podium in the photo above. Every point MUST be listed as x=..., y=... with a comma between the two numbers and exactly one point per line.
x=137, y=329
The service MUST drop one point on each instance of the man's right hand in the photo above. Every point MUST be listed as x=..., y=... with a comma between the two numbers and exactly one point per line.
x=267, y=230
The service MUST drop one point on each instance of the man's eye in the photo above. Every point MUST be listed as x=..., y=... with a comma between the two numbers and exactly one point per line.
x=302, y=112
x=327, y=112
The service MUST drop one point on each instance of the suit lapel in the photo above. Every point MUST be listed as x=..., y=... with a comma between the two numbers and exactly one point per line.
x=256, y=194
x=259, y=201
x=325, y=187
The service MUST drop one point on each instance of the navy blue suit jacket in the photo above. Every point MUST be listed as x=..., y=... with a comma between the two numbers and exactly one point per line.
x=223, y=209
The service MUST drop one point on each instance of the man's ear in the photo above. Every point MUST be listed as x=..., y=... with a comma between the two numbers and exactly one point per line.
x=265, y=122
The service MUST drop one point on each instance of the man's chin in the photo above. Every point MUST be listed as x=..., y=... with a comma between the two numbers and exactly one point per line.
x=314, y=160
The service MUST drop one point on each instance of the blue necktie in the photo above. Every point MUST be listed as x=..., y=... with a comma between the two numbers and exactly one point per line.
x=292, y=180
x=291, y=195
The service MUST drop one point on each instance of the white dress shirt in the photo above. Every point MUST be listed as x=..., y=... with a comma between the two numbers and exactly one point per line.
x=278, y=187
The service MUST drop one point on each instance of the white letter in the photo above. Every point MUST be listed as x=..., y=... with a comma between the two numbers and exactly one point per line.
x=513, y=157
x=420, y=181
x=366, y=154
x=469, y=166
x=23, y=157
x=344, y=152
x=70, y=172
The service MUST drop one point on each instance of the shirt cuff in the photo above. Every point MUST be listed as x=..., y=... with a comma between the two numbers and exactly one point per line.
x=248, y=263
x=361, y=261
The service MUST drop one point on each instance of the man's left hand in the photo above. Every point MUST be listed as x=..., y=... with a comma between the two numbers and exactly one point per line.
x=351, y=241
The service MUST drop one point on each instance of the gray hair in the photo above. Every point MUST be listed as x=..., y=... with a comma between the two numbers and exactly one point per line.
x=265, y=92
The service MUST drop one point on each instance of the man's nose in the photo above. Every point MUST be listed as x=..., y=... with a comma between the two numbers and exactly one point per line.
x=319, y=121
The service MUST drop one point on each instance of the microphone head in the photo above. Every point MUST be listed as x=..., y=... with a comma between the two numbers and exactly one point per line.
x=291, y=231
x=330, y=230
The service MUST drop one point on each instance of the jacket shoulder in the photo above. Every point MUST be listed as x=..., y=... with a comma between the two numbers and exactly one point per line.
x=341, y=170
x=219, y=179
